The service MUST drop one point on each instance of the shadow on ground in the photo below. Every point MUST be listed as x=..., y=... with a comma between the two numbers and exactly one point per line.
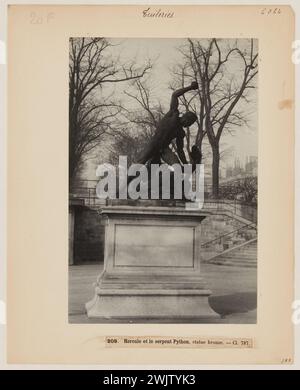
x=233, y=303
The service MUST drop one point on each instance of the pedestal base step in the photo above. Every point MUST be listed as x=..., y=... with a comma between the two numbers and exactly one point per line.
x=159, y=296
x=150, y=306
x=151, y=282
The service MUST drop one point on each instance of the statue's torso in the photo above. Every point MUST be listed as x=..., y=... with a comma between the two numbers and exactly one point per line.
x=168, y=129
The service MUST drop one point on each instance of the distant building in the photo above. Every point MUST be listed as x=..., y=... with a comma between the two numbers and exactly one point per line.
x=251, y=165
x=229, y=172
x=238, y=171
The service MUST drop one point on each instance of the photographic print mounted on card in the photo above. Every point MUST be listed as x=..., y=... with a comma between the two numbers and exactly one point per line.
x=159, y=184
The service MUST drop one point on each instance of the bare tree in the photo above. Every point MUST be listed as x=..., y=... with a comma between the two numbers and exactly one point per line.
x=149, y=111
x=244, y=189
x=91, y=112
x=248, y=189
x=127, y=143
x=137, y=124
x=220, y=91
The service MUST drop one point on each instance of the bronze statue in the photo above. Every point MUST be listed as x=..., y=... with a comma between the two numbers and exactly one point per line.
x=170, y=128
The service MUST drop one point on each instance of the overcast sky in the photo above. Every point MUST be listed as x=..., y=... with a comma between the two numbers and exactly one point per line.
x=165, y=53
x=244, y=142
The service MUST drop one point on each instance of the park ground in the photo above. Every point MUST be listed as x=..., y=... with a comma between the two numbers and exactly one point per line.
x=234, y=291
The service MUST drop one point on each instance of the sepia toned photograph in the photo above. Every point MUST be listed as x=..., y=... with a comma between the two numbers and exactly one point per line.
x=140, y=250
x=150, y=185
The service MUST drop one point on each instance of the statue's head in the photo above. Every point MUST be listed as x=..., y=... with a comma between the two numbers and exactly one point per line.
x=188, y=119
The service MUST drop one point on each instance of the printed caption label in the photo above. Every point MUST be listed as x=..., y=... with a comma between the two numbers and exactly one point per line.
x=176, y=342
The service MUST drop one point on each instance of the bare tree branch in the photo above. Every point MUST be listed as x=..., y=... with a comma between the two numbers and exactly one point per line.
x=91, y=114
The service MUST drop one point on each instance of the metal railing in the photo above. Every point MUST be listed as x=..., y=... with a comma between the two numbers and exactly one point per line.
x=237, y=208
x=88, y=194
x=235, y=231
x=230, y=240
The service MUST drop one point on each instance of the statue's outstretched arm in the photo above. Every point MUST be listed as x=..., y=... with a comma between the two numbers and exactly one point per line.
x=179, y=92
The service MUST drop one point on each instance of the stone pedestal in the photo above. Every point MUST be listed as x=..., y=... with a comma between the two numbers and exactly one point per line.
x=151, y=265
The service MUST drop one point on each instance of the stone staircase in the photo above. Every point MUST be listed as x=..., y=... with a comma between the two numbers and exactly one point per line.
x=222, y=233
x=243, y=255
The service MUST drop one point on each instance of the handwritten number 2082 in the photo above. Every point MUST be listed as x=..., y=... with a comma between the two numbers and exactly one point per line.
x=270, y=11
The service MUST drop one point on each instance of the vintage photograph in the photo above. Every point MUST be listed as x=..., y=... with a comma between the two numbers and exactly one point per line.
x=163, y=166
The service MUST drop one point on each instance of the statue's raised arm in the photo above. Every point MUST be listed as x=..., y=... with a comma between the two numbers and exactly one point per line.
x=170, y=128
x=179, y=92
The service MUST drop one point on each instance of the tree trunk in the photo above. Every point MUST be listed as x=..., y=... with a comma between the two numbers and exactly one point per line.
x=215, y=171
